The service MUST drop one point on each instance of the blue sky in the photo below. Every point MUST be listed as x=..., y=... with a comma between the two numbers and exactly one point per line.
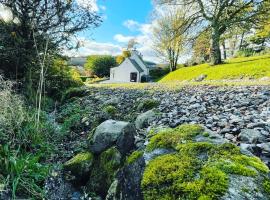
x=123, y=20
x=117, y=12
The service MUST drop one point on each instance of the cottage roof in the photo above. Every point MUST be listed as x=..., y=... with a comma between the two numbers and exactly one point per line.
x=135, y=64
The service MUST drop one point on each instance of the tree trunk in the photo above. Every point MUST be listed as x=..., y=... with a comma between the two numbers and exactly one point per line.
x=215, y=48
x=224, y=50
x=242, y=40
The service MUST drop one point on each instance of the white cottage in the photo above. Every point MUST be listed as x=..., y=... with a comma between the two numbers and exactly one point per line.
x=133, y=69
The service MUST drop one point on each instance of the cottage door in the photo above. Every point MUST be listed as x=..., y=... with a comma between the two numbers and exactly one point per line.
x=133, y=77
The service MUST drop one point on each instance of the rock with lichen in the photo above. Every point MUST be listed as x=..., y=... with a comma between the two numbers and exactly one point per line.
x=79, y=166
x=103, y=171
x=196, y=165
x=144, y=119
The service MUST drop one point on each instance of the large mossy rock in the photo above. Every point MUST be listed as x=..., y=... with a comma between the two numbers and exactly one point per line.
x=196, y=165
x=104, y=171
x=113, y=133
x=80, y=166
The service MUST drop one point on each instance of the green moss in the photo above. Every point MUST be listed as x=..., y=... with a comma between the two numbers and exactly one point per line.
x=205, y=134
x=198, y=170
x=170, y=138
x=80, y=164
x=134, y=156
x=110, y=110
x=148, y=104
x=174, y=177
x=103, y=171
x=266, y=186
x=195, y=148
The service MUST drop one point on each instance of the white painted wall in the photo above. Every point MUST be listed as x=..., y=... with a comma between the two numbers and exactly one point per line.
x=135, y=56
x=122, y=73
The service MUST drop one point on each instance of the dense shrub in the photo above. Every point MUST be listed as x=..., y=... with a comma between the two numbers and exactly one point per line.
x=100, y=65
x=245, y=52
x=60, y=77
x=21, y=170
x=159, y=72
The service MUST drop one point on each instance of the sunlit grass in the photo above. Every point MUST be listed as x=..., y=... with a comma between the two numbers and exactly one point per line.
x=178, y=85
x=252, y=67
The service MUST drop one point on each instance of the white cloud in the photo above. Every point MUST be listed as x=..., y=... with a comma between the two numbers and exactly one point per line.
x=122, y=39
x=132, y=25
x=89, y=47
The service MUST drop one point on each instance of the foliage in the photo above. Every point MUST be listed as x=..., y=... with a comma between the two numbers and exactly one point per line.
x=100, y=65
x=252, y=67
x=201, y=47
x=221, y=17
x=126, y=53
x=148, y=104
x=70, y=116
x=60, y=78
x=22, y=170
x=24, y=173
x=245, y=52
x=170, y=35
x=111, y=110
x=121, y=58
x=198, y=170
x=159, y=72
x=36, y=24
x=134, y=156
x=74, y=92
x=95, y=80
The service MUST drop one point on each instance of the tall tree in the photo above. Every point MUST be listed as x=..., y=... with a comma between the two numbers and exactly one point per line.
x=221, y=15
x=169, y=36
x=41, y=23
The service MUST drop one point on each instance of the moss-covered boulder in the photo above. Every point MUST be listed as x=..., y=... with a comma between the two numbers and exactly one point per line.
x=192, y=165
x=79, y=166
x=201, y=169
x=104, y=171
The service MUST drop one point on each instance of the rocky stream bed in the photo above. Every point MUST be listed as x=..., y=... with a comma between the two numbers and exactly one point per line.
x=124, y=136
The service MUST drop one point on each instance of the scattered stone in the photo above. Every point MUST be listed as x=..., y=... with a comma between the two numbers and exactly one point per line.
x=201, y=78
x=251, y=136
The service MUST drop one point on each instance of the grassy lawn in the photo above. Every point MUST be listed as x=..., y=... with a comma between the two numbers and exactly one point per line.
x=237, y=68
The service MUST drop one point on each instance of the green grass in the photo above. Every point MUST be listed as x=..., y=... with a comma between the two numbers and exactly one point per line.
x=237, y=68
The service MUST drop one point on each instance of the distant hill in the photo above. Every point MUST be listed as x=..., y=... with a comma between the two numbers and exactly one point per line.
x=236, y=68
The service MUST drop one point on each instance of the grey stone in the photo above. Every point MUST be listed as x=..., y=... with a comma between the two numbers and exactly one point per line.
x=251, y=136
x=110, y=133
x=201, y=78
x=112, y=101
x=144, y=119
x=244, y=187
x=229, y=136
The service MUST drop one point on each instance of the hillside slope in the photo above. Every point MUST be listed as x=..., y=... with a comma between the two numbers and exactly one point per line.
x=251, y=67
